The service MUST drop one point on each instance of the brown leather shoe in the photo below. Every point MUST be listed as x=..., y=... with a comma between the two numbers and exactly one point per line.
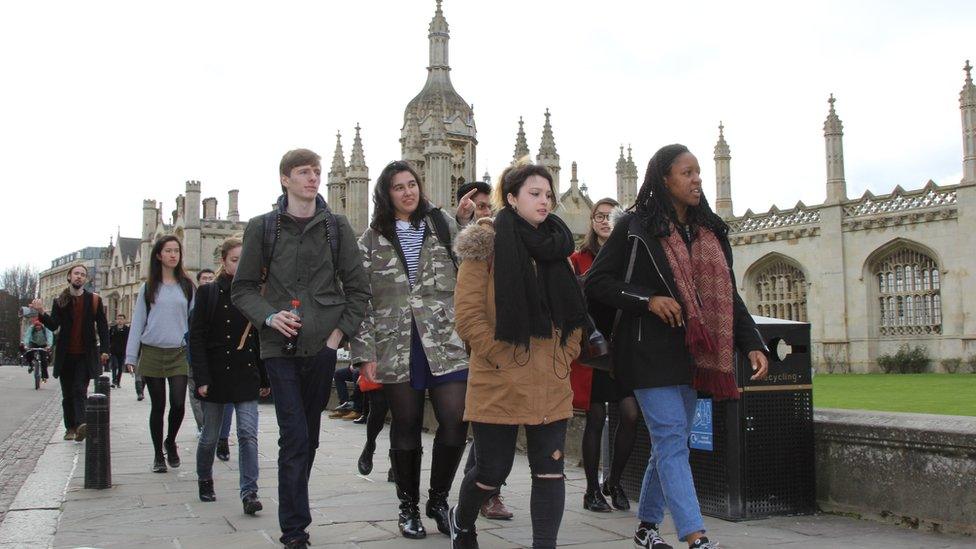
x=337, y=414
x=351, y=415
x=81, y=432
x=69, y=434
x=495, y=509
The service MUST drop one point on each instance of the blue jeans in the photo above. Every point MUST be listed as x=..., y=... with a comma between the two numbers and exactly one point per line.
x=225, y=423
x=247, y=441
x=301, y=389
x=669, y=412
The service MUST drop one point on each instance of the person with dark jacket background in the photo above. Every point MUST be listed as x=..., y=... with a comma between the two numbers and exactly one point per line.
x=681, y=321
x=80, y=316
x=118, y=336
x=227, y=370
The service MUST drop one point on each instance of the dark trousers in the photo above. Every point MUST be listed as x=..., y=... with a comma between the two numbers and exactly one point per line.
x=342, y=377
x=74, y=389
x=118, y=366
x=301, y=389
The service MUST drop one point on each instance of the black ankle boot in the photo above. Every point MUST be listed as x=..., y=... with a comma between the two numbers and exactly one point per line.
x=366, y=458
x=406, y=464
x=443, y=467
x=172, y=457
x=617, y=496
x=594, y=501
x=223, y=450
x=206, y=490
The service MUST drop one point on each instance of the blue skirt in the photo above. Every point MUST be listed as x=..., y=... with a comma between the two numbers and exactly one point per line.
x=421, y=377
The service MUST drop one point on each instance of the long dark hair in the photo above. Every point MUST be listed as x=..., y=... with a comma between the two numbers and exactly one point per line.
x=384, y=214
x=155, y=279
x=591, y=242
x=654, y=207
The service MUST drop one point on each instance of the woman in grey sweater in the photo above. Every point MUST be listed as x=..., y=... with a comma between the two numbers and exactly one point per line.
x=156, y=344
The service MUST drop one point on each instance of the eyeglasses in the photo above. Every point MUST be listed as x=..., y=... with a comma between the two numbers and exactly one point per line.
x=601, y=217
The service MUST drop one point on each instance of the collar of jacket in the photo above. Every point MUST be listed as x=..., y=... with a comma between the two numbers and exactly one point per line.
x=636, y=229
x=282, y=205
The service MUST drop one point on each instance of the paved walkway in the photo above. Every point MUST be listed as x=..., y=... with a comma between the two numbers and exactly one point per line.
x=147, y=510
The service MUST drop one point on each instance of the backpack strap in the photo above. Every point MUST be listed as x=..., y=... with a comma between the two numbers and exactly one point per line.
x=272, y=230
x=443, y=233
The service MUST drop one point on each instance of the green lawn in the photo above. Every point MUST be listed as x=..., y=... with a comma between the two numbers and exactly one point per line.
x=952, y=394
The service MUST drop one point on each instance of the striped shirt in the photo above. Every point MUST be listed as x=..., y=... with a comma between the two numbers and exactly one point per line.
x=411, y=239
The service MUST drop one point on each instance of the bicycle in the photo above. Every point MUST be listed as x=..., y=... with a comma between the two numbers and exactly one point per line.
x=34, y=363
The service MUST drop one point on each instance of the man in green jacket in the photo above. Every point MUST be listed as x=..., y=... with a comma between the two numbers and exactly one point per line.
x=298, y=264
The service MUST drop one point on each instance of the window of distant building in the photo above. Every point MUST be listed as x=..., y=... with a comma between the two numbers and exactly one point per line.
x=909, y=293
x=782, y=292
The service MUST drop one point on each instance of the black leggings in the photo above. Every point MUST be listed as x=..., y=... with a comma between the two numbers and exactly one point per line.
x=157, y=396
x=495, y=447
x=622, y=445
x=407, y=406
x=377, y=414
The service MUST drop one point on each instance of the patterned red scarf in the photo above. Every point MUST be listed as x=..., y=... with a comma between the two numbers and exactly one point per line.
x=705, y=290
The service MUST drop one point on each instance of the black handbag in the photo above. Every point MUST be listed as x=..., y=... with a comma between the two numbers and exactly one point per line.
x=596, y=352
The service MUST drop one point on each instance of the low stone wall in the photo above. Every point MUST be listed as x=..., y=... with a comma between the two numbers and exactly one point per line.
x=914, y=469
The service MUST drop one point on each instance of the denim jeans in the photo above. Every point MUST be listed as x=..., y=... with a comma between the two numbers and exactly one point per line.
x=669, y=412
x=342, y=377
x=247, y=442
x=301, y=389
x=225, y=423
x=195, y=403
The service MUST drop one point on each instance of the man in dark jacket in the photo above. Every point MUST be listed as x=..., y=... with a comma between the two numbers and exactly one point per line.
x=333, y=296
x=118, y=336
x=81, y=317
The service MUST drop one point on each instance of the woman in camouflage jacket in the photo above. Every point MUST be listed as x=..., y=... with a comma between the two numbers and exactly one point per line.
x=407, y=341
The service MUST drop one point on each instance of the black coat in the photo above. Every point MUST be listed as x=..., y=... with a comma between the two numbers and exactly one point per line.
x=118, y=338
x=646, y=351
x=93, y=321
x=230, y=375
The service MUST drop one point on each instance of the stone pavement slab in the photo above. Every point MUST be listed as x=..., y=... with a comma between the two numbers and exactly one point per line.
x=147, y=510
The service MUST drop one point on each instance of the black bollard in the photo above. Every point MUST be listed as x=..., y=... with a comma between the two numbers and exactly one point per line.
x=98, y=463
x=103, y=385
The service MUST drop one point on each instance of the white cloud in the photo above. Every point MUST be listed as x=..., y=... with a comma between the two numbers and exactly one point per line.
x=111, y=103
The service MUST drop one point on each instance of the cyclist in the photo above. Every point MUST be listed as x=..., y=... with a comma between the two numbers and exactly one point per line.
x=38, y=337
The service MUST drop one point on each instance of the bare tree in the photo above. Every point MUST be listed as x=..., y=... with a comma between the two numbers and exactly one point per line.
x=20, y=281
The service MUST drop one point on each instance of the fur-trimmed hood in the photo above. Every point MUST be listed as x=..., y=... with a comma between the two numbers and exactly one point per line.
x=476, y=241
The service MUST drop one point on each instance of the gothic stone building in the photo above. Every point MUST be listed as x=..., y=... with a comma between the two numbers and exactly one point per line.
x=871, y=273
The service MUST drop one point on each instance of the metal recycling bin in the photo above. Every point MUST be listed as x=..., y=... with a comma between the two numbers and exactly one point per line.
x=752, y=457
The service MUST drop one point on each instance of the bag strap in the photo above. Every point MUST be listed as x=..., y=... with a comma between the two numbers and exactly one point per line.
x=630, y=272
x=443, y=233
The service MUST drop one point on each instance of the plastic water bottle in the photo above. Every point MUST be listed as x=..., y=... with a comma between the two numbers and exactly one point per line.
x=291, y=342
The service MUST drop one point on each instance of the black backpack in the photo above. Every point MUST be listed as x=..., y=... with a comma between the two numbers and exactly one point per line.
x=272, y=230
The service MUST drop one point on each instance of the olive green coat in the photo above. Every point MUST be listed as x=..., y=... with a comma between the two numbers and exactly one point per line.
x=302, y=269
x=385, y=334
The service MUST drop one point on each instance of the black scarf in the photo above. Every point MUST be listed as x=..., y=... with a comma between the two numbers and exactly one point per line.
x=529, y=300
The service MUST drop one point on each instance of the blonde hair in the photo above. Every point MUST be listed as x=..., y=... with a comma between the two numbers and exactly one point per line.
x=229, y=244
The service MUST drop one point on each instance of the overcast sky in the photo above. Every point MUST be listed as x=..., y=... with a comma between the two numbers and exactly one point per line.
x=104, y=104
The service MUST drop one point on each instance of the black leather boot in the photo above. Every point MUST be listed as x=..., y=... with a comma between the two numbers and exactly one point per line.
x=443, y=467
x=366, y=458
x=406, y=466
x=206, y=490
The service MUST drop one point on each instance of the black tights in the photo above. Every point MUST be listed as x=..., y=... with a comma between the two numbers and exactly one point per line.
x=377, y=414
x=157, y=396
x=622, y=445
x=407, y=405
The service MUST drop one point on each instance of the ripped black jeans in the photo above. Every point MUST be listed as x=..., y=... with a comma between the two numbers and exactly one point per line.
x=495, y=448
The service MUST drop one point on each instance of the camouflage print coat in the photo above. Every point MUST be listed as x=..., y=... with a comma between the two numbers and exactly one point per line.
x=385, y=333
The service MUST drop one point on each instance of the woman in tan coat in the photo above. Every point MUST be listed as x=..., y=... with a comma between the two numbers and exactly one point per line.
x=518, y=307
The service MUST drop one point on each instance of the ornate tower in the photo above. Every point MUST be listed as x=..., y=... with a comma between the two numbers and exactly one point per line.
x=631, y=178
x=521, y=145
x=150, y=220
x=191, y=227
x=548, y=156
x=356, y=200
x=723, y=176
x=337, y=179
x=967, y=106
x=439, y=125
x=834, y=138
x=232, y=213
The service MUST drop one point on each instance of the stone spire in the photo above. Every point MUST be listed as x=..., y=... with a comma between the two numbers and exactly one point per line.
x=357, y=179
x=438, y=36
x=521, y=145
x=336, y=182
x=437, y=161
x=573, y=180
x=967, y=107
x=834, y=139
x=626, y=178
x=548, y=156
x=631, y=174
x=723, y=176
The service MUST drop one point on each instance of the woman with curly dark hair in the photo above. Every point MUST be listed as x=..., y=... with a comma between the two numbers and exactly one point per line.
x=681, y=321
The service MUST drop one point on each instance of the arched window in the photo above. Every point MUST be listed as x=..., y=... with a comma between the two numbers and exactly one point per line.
x=781, y=290
x=909, y=293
